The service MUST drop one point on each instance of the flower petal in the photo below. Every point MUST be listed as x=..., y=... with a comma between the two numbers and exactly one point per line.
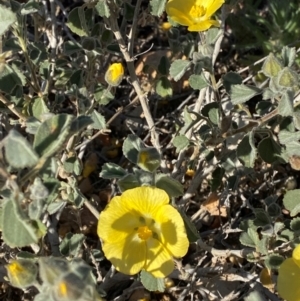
x=179, y=17
x=144, y=200
x=159, y=261
x=127, y=255
x=296, y=255
x=115, y=222
x=172, y=232
x=213, y=7
x=288, y=280
x=178, y=11
x=204, y=25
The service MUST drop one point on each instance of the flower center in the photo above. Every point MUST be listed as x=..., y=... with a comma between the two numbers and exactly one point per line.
x=197, y=11
x=144, y=232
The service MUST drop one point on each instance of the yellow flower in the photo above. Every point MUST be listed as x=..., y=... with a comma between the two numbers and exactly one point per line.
x=288, y=277
x=195, y=14
x=141, y=231
x=21, y=273
x=114, y=74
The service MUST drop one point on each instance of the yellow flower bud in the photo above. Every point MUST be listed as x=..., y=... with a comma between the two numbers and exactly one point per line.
x=21, y=273
x=114, y=74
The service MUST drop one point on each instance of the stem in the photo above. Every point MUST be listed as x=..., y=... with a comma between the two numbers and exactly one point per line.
x=11, y=107
x=134, y=80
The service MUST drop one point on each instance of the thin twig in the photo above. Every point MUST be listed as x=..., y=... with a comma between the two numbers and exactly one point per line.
x=134, y=80
x=11, y=107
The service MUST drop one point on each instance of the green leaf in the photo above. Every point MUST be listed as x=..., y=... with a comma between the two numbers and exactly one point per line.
x=22, y=273
x=80, y=123
x=128, y=11
x=180, y=142
x=217, y=177
x=278, y=226
x=38, y=108
x=18, y=151
x=190, y=228
x=72, y=165
x=212, y=35
x=128, y=182
x=242, y=93
x=151, y=283
x=16, y=229
x=112, y=171
x=178, y=68
x=271, y=66
x=287, y=78
x=164, y=66
x=71, y=47
x=269, y=150
x=273, y=261
x=288, y=55
x=102, y=8
x=295, y=224
x=145, y=178
x=286, y=104
x=163, y=87
x=88, y=44
x=9, y=79
x=43, y=297
x=7, y=18
x=76, y=21
x=71, y=244
x=51, y=134
x=98, y=121
x=51, y=268
x=157, y=7
x=32, y=6
x=255, y=296
x=171, y=186
x=291, y=201
x=230, y=79
x=131, y=147
x=148, y=159
x=102, y=95
x=263, y=244
x=274, y=210
x=286, y=137
x=198, y=82
x=246, y=151
x=246, y=240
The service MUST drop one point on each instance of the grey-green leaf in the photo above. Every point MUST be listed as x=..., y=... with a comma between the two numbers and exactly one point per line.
x=52, y=133
x=163, y=87
x=157, y=7
x=16, y=229
x=273, y=261
x=102, y=9
x=98, y=121
x=178, y=68
x=271, y=66
x=291, y=201
x=171, y=186
x=112, y=171
x=285, y=106
x=7, y=18
x=152, y=283
x=269, y=150
x=198, y=82
x=131, y=147
x=180, y=142
x=76, y=23
x=18, y=151
x=242, y=93
x=246, y=151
